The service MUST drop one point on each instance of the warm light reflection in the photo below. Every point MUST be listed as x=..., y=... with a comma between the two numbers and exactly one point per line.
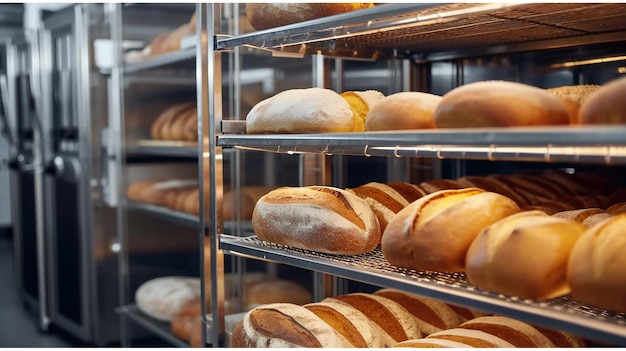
x=589, y=62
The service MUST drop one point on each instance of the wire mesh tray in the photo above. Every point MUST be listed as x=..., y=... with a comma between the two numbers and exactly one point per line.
x=561, y=313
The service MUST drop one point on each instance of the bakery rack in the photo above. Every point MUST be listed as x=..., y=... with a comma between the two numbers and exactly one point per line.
x=156, y=327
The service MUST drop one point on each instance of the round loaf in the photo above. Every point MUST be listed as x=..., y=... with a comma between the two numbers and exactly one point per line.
x=596, y=264
x=356, y=327
x=430, y=315
x=272, y=291
x=516, y=332
x=475, y=338
x=499, y=104
x=573, y=97
x=432, y=343
x=523, y=255
x=313, y=110
x=434, y=232
x=317, y=218
x=162, y=298
x=270, y=15
x=400, y=111
x=383, y=199
x=410, y=192
x=182, y=322
x=285, y=325
x=361, y=103
x=393, y=321
x=606, y=105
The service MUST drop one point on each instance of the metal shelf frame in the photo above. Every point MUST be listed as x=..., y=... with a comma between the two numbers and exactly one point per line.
x=182, y=218
x=561, y=313
x=158, y=328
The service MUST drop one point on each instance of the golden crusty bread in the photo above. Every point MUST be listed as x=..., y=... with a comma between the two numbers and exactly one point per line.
x=493, y=185
x=317, y=218
x=516, y=332
x=434, y=232
x=393, y=321
x=578, y=215
x=573, y=96
x=348, y=321
x=434, y=185
x=161, y=127
x=410, y=192
x=384, y=200
x=361, y=103
x=431, y=343
x=285, y=325
x=405, y=110
x=475, y=338
x=595, y=219
x=270, y=15
x=430, y=315
x=616, y=208
x=595, y=270
x=605, y=105
x=499, y=104
x=523, y=255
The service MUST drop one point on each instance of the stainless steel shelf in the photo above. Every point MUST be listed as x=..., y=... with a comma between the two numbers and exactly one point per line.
x=165, y=213
x=372, y=268
x=162, y=150
x=179, y=60
x=416, y=30
x=160, y=329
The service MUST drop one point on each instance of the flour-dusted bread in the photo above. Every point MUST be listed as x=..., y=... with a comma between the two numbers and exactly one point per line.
x=162, y=298
x=499, y=104
x=317, y=218
x=405, y=110
x=312, y=110
x=573, y=96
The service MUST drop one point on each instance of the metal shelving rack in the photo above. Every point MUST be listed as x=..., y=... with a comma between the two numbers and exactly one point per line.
x=425, y=33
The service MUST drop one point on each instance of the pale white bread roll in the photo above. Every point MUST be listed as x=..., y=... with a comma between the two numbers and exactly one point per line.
x=434, y=232
x=430, y=343
x=516, y=332
x=475, y=338
x=393, y=321
x=312, y=110
x=607, y=105
x=430, y=315
x=523, y=255
x=163, y=298
x=573, y=96
x=270, y=15
x=356, y=327
x=595, y=269
x=383, y=199
x=578, y=215
x=285, y=325
x=595, y=219
x=276, y=290
x=317, y=218
x=400, y=111
x=361, y=103
x=499, y=104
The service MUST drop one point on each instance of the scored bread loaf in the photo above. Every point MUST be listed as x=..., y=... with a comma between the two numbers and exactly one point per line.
x=523, y=255
x=434, y=232
x=312, y=110
x=393, y=321
x=595, y=270
x=317, y=218
x=361, y=103
x=499, y=104
x=384, y=200
x=434, y=185
x=162, y=298
x=573, y=97
x=516, y=332
x=475, y=338
x=285, y=325
x=605, y=105
x=405, y=110
x=270, y=15
x=356, y=327
x=430, y=315
x=495, y=186
x=410, y=192
x=578, y=215
x=595, y=219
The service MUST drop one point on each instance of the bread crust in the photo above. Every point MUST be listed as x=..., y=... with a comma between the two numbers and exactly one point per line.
x=270, y=15
x=434, y=232
x=317, y=218
x=605, y=105
x=403, y=111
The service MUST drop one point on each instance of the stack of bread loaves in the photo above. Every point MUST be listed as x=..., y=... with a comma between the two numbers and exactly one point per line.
x=177, y=122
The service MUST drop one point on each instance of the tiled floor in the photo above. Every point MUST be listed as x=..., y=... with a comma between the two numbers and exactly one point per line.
x=18, y=327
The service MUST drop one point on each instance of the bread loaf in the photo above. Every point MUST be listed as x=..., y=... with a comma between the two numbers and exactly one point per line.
x=432, y=343
x=616, y=208
x=361, y=103
x=161, y=128
x=348, y=321
x=430, y=315
x=162, y=298
x=523, y=255
x=495, y=186
x=285, y=325
x=317, y=218
x=393, y=321
x=595, y=219
x=434, y=232
x=435, y=185
x=518, y=333
x=313, y=110
x=573, y=97
x=499, y=104
x=606, y=105
x=410, y=192
x=475, y=338
x=596, y=264
x=270, y=15
x=406, y=110
x=383, y=199
x=578, y=215
x=183, y=321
